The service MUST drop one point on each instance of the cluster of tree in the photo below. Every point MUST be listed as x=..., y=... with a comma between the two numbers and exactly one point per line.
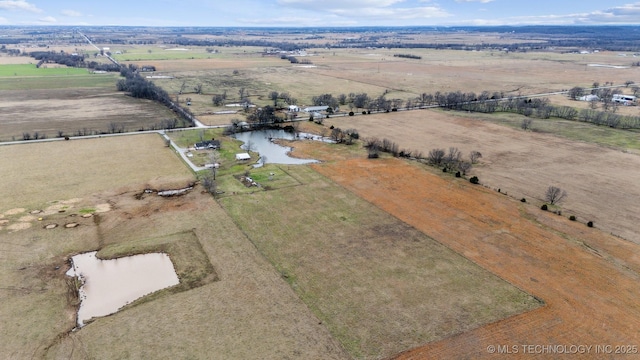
x=325, y=100
x=408, y=56
x=452, y=161
x=62, y=58
x=294, y=60
x=12, y=52
x=103, y=66
x=285, y=97
x=137, y=86
x=264, y=117
x=344, y=136
x=281, y=45
x=374, y=146
x=358, y=101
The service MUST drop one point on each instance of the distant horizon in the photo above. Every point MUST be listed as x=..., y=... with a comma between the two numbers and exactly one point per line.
x=321, y=27
x=316, y=14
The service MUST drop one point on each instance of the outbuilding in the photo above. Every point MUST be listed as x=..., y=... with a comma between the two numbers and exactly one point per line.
x=243, y=156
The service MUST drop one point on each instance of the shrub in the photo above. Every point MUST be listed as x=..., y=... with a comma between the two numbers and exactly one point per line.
x=474, y=180
x=544, y=207
x=364, y=112
x=590, y=224
x=458, y=174
x=394, y=109
x=523, y=200
x=572, y=218
x=374, y=155
x=331, y=127
x=351, y=113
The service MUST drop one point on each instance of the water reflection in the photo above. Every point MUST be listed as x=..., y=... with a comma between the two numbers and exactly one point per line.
x=108, y=285
x=261, y=141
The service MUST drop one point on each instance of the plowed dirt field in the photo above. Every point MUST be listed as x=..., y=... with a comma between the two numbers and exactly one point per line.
x=588, y=280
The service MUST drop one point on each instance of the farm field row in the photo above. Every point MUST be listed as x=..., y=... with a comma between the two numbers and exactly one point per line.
x=589, y=294
x=523, y=164
x=378, y=285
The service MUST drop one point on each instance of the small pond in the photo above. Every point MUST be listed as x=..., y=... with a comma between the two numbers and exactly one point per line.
x=108, y=285
x=270, y=152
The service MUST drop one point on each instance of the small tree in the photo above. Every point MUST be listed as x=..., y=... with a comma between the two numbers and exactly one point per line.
x=464, y=167
x=475, y=156
x=436, y=156
x=554, y=195
x=526, y=123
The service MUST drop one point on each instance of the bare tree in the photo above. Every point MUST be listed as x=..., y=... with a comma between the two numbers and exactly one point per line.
x=575, y=93
x=474, y=156
x=209, y=183
x=464, y=166
x=554, y=195
x=198, y=89
x=182, y=87
x=452, y=159
x=526, y=123
x=435, y=156
x=274, y=96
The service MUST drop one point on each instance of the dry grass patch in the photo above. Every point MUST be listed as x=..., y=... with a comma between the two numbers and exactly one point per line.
x=379, y=285
x=524, y=164
x=90, y=110
x=34, y=174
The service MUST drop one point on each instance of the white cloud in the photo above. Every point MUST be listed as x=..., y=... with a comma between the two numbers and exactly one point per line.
x=71, y=13
x=625, y=14
x=427, y=12
x=480, y=1
x=48, y=20
x=18, y=5
x=337, y=4
x=352, y=12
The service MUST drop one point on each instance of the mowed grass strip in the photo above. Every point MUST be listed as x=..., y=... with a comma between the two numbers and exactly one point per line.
x=379, y=285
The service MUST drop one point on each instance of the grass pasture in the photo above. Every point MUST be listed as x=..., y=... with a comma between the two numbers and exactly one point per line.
x=234, y=296
x=31, y=70
x=378, y=284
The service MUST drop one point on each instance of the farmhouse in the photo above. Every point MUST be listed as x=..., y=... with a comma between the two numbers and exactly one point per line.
x=207, y=144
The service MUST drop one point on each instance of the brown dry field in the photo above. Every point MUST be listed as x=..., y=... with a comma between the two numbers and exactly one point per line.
x=587, y=279
x=249, y=303
x=602, y=183
x=36, y=173
x=70, y=110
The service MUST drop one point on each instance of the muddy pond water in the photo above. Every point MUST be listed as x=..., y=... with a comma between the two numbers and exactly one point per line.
x=261, y=141
x=108, y=285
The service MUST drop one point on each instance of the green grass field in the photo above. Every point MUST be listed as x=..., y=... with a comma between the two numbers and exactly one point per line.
x=364, y=273
x=83, y=80
x=32, y=70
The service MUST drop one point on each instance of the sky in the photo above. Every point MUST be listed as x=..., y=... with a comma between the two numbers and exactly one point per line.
x=318, y=13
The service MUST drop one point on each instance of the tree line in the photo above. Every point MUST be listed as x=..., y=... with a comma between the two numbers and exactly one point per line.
x=139, y=87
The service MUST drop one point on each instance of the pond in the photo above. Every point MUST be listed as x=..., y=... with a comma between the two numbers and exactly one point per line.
x=108, y=285
x=261, y=142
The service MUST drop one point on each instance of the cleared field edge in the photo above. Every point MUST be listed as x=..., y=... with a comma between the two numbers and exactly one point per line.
x=346, y=323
